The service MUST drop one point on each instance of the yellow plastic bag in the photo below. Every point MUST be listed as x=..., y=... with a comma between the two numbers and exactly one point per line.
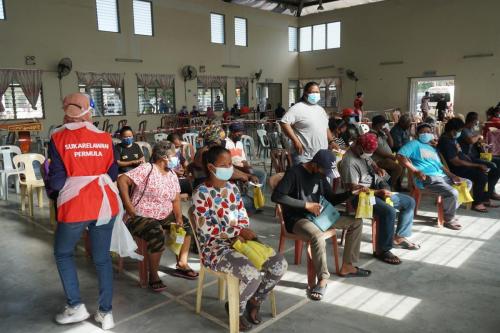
x=256, y=252
x=389, y=201
x=258, y=198
x=175, y=238
x=463, y=193
x=365, y=205
x=486, y=156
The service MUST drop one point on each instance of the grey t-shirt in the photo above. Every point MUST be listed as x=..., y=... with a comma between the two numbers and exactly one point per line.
x=310, y=124
x=355, y=170
x=383, y=145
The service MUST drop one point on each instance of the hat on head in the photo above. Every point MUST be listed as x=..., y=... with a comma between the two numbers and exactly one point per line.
x=77, y=108
x=347, y=112
x=325, y=159
x=379, y=120
x=212, y=134
x=368, y=142
x=236, y=127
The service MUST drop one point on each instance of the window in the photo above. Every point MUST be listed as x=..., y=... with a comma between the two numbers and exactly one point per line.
x=217, y=28
x=240, y=31
x=17, y=105
x=333, y=35
x=2, y=11
x=319, y=37
x=305, y=39
x=107, y=15
x=143, y=18
x=329, y=96
x=293, y=92
x=241, y=96
x=156, y=100
x=292, y=39
x=208, y=96
x=107, y=100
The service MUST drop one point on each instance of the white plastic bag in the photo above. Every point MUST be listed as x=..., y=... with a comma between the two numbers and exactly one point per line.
x=122, y=241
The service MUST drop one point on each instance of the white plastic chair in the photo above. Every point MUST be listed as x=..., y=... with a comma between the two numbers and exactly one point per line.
x=190, y=138
x=161, y=137
x=116, y=141
x=29, y=178
x=146, y=149
x=364, y=128
x=8, y=169
x=264, y=145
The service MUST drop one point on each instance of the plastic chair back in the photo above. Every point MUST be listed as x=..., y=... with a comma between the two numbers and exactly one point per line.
x=116, y=141
x=190, y=138
x=146, y=149
x=30, y=166
x=248, y=145
x=160, y=137
x=7, y=154
x=364, y=128
x=263, y=139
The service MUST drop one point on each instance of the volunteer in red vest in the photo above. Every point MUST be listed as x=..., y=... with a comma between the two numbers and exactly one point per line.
x=83, y=170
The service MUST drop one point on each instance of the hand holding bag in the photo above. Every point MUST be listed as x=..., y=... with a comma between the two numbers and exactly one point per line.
x=256, y=252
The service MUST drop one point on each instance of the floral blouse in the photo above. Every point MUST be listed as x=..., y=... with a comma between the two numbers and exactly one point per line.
x=220, y=216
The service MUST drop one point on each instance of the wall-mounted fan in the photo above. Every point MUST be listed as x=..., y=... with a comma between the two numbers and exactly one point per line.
x=351, y=75
x=189, y=73
x=63, y=68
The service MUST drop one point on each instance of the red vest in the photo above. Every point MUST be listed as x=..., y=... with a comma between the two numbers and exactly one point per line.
x=85, y=153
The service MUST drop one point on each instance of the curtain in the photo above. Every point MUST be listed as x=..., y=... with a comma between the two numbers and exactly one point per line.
x=31, y=84
x=5, y=80
x=146, y=80
x=165, y=81
x=88, y=79
x=213, y=81
x=241, y=82
x=115, y=80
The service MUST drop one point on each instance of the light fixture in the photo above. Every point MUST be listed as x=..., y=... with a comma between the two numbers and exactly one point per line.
x=320, y=7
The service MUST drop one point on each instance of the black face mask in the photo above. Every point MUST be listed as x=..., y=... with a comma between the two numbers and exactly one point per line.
x=237, y=138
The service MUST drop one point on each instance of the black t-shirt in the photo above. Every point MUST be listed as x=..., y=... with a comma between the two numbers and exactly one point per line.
x=297, y=187
x=279, y=112
x=127, y=154
x=448, y=148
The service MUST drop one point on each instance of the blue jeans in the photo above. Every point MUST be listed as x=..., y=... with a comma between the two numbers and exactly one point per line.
x=386, y=216
x=67, y=236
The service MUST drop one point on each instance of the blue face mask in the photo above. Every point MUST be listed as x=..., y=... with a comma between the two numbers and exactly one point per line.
x=352, y=120
x=223, y=173
x=425, y=137
x=173, y=162
x=457, y=135
x=313, y=98
x=127, y=141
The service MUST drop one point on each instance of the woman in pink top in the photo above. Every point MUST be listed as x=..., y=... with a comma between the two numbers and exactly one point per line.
x=155, y=204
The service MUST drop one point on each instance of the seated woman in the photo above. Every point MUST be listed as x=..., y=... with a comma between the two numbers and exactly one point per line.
x=155, y=204
x=337, y=127
x=128, y=154
x=181, y=169
x=222, y=219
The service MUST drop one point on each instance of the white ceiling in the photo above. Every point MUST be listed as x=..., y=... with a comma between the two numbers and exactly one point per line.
x=336, y=5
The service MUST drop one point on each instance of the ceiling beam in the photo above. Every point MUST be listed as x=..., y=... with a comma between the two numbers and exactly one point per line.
x=300, y=7
x=316, y=3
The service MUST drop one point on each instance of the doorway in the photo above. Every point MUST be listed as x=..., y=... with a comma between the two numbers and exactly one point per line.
x=437, y=86
x=268, y=96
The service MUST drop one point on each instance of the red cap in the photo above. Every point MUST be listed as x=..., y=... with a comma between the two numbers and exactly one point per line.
x=348, y=112
x=368, y=142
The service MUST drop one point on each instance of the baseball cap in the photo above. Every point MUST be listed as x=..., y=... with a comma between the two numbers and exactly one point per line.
x=325, y=159
x=348, y=112
x=368, y=142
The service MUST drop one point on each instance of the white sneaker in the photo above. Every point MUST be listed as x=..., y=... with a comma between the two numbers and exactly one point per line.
x=72, y=314
x=106, y=319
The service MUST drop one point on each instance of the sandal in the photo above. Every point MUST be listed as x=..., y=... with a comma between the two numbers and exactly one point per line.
x=185, y=273
x=407, y=245
x=481, y=210
x=252, y=307
x=244, y=324
x=360, y=272
x=157, y=286
x=452, y=226
x=317, y=293
x=388, y=257
x=491, y=205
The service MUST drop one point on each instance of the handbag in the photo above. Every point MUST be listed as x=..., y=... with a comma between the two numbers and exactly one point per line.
x=327, y=218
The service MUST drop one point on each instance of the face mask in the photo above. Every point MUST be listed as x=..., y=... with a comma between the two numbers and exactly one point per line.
x=352, y=120
x=313, y=98
x=173, y=162
x=237, y=138
x=386, y=126
x=476, y=127
x=223, y=173
x=425, y=137
x=127, y=141
x=366, y=156
x=457, y=135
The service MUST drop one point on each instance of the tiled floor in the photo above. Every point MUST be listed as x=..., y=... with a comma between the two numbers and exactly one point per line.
x=451, y=285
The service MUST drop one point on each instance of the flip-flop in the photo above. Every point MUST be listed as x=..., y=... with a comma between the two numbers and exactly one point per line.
x=185, y=273
x=157, y=286
x=480, y=210
x=452, y=226
x=388, y=257
x=491, y=205
x=407, y=245
x=317, y=290
x=360, y=272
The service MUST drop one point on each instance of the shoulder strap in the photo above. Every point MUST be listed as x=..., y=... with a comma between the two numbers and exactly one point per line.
x=145, y=186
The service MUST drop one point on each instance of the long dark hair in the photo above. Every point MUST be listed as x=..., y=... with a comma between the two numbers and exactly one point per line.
x=306, y=90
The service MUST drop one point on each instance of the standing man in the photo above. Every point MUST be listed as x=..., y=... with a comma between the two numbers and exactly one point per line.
x=218, y=104
x=424, y=105
x=83, y=170
x=442, y=108
x=306, y=124
x=279, y=112
x=358, y=106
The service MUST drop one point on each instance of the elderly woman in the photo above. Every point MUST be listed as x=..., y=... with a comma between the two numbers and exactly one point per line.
x=155, y=204
x=221, y=219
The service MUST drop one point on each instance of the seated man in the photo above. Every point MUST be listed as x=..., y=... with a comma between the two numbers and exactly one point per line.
x=383, y=155
x=422, y=159
x=358, y=170
x=128, y=154
x=462, y=166
x=471, y=142
x=353, y=128
x=299, y=193
x=400, y=132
